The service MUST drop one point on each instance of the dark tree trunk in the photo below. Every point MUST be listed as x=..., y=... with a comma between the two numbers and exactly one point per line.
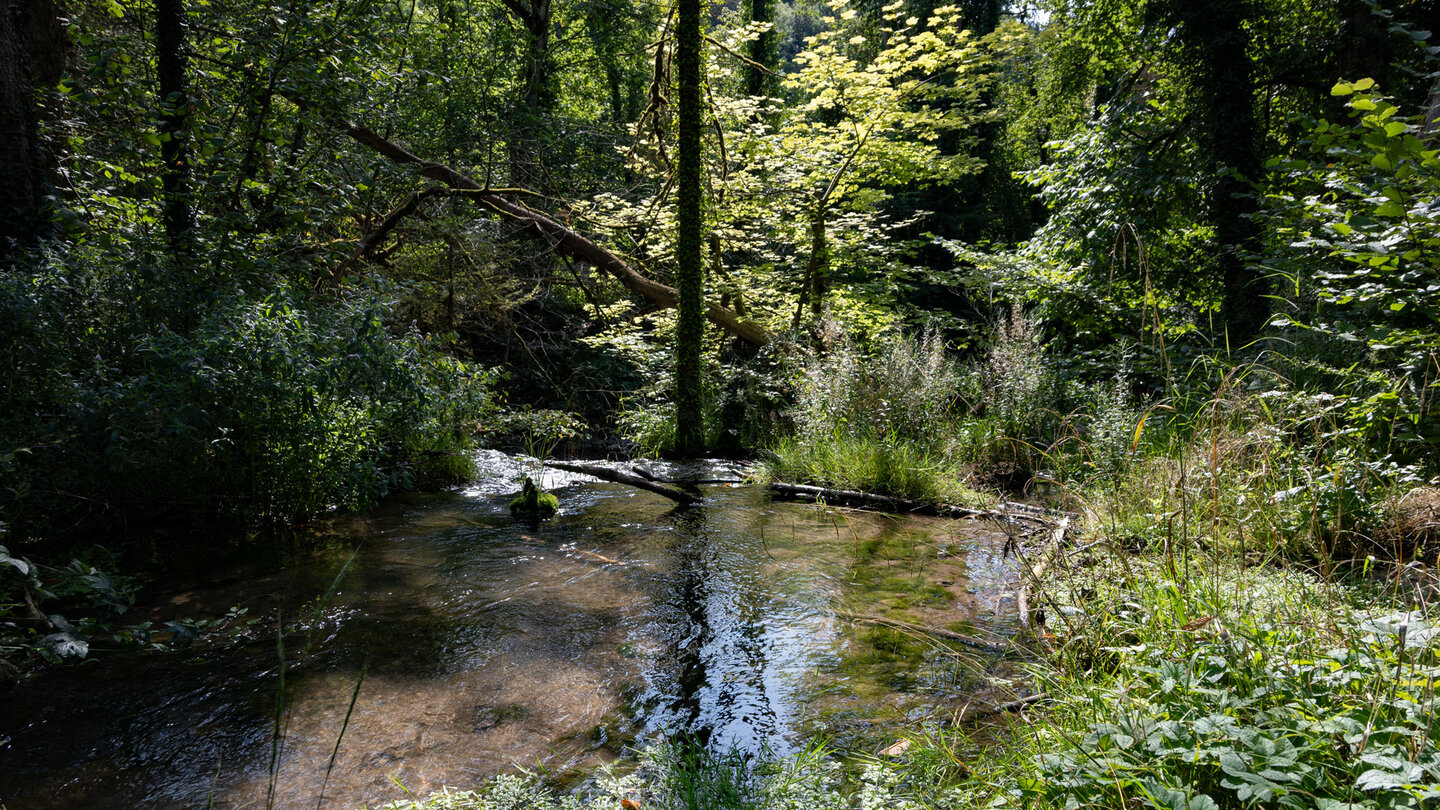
x=538, y=94
x=172, y=71
x=32, y=57
x=759, y=75
x=689, y=271
x=818, y=272
x=1216, y=42
x=1364, y=47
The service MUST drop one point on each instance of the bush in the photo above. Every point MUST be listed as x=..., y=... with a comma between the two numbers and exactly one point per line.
x=263, y=407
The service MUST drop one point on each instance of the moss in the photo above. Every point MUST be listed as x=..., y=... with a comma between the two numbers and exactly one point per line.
x=534, y=502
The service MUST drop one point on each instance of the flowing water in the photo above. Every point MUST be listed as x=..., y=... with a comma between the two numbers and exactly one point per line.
x=480, y=644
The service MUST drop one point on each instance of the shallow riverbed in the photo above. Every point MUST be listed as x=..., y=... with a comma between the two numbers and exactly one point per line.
x=488, y=644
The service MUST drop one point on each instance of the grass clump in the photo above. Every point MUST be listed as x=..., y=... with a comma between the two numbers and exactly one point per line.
x=879, y=424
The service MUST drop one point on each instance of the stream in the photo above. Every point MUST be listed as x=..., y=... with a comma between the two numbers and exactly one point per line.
x=482, y=644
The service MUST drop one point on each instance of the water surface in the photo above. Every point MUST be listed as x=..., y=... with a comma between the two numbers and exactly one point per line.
x=488, y=644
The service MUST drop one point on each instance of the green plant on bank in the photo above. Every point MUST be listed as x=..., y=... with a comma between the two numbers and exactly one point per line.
x=1194, y=681
x=914, y=423
x=68, y=613
x=262, y=406
x=1358, y=236
x=879, y=424
x=742, y=401
x=535, y=431
x=1252, y=464
x=681, y=775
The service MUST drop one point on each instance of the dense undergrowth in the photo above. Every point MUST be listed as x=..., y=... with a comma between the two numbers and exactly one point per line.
x=256, y=403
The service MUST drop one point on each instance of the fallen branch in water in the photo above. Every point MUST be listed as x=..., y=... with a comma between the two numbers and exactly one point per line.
x=1035, y=575
x=938, y=632
x=615, y=476
x=977, y=712
x=850, y=497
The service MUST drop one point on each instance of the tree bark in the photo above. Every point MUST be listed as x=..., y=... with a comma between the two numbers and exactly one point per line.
x=538, y=96
x=32, y=56
x=1215, y=39
x=171, y=70
x=759, y=74
x=689, y=269
x=560, y=237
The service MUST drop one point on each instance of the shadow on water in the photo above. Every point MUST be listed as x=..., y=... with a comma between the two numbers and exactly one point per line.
x=492, y=644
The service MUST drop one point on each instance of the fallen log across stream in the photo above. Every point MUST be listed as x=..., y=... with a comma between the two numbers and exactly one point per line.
x=618, y=477
x=850, y=497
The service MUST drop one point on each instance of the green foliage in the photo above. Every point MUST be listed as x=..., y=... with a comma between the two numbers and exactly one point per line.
x=879, y=424
x=267, y=407
x=1358, y=234
x=537, y=432
x=1235, y=689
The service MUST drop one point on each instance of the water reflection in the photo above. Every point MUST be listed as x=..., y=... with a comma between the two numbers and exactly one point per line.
x=487, y=644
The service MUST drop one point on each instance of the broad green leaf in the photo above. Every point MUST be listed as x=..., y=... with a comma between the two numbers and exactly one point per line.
x=1390, y=209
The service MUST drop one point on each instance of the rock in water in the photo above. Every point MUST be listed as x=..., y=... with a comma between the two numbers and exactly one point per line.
x=534, y=502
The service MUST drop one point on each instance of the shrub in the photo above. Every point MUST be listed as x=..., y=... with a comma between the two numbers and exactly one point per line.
x=270, y=407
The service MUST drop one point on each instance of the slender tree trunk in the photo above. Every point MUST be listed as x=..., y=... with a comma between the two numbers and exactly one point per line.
x=689, y=270
x=172, y=72
x=32, y=56
x=759, y=74
x=538, y=95
x=818, y=268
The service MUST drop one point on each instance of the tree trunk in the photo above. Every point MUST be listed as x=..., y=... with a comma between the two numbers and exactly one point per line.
x=32, y=56
x=759, y=74
x=689, y=270
x=817, y=270
x=538, y=96
x=171, y=70
x=1215, y=41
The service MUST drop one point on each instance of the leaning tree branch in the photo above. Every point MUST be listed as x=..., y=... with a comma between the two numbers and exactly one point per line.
x=564, y=239
x=373, y=241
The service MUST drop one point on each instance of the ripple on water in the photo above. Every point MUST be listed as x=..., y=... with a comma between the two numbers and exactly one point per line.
x=486, y=644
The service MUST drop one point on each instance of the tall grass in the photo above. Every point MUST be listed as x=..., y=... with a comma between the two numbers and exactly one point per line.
x=880, y=424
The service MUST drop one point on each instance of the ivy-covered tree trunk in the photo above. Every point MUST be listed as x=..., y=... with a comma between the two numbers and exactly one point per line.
x=689, y=271
x=175, y=109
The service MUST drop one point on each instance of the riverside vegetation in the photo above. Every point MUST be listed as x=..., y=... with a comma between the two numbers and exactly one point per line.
x=1170, y=268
